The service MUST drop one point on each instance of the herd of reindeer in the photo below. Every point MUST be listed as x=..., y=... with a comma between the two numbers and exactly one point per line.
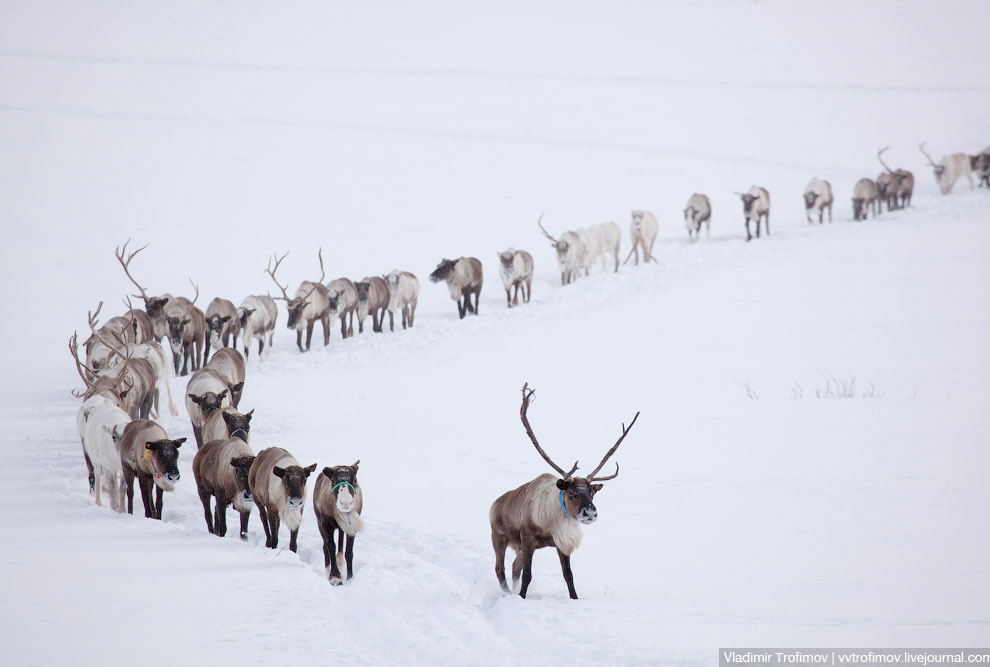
x=124, y=365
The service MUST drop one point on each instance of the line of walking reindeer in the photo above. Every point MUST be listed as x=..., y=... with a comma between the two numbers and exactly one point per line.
x=124, y=367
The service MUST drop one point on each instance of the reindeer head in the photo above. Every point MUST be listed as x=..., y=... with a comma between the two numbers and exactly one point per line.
x=362, y=292
x=858, y=207
x=209, y=401
x=576, y=493
x=176, y=323
x=116, y=433
x=345, y=484
x=294, y=483
x=155, y=306
x=443, y=270
x=747, y=200
x=637, y=220
x=164, y=458
x=508, y=259
x=214, y=326
x=809, y=199
x=242, y=466
x=238, y=425
x=689, y=214
x=295, y=307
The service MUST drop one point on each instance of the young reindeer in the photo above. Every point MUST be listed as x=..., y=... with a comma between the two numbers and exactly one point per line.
x=311, y=303
x=403, y=294
x=221, y=468
x=569, y=252
x=337, y=501
x=278, y=484
x=697, y=211
x=817, y=198
x=949, y=169
x=222, y=323
x=756, y=206
x=515, y=267
x=545, y=512
x=146, y=452
x=464, y=278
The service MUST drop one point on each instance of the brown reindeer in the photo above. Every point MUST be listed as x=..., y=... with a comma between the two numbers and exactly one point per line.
x=545, y=512
x=146, y=452
x=222, y=324
x=278, y=484
x=337, y=501
x=206, y=392
x=154, y=306
x=310, y=305
x=372, y=297
x=227, y=423
x=905, y=182
x=221, y=468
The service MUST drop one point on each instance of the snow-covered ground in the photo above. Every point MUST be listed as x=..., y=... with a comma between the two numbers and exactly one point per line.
x=393, y=134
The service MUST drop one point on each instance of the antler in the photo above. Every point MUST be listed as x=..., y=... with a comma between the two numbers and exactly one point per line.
x=539, y=222
x=121, y=341
x=195, y=287
x=879, y=154
x=85, y=372
x=119, y=252
x=930, y=161
x=270, y=271
x=591, y=477
x=527, y=394
x=323, y=274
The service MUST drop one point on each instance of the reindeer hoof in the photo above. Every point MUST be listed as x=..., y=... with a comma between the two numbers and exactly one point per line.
x=336, y=581
x=244, y=536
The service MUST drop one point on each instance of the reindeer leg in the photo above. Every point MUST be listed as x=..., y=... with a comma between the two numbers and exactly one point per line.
x=245, y=517
x=206, y=350
x=477, y=297
x=527, y=568
x=508, y=299
x=343, y=327
x=565, y=566
x=517, y=567
x=185, y=360
x=159, y=503
x=500, y=544
x=326, y=330
x=349, y=556
x=98, y=473
x=129, y=487
x=330, y=554
x=222, y=519
x=263, y=513
x=149, y=508
x=299, y=336
x=749, y=237
x=204, y=497
x=292, y=540
x=460, y=308
x=391, y=321
x=309, y=334
x=274, y=521
x=92, y=476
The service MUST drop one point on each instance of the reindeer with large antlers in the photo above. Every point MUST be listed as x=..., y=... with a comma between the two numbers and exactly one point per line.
x=905, y=182
x=154, y=306
x=949, y=169
x=311, y=304
x=569, y=252
x=546, y=512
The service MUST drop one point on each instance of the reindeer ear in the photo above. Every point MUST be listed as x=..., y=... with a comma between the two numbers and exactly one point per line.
x=222, y=394
x=186, y=321
x=237, y=387
x=123, y=394
x=196, y=399
x=278, y=472
x=328, y=472
x=149, y=445
x=225, y=319
x=309, y=469
x=249, y=413
x=164, y=301
x=355, y=466
x=178, y=443
x=595, y=488
x=563, y=484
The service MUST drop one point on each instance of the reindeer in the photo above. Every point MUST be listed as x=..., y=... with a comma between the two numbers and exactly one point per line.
x=207, y=391
x=229, y=364
x=464, y=277
x=610, y=235
x=343, y=303
x=278, y=484
x=258, y=318
x=155, y=306
x=756, y=206
x=865, y=194
x=187, y=335
x=311, y=303
x=818, y=197
x=545, y=512
x=221, y=468
x=373, y=297
x=222, y=323
x=146, y=452
x=403, y=294
x=569, y=251
x=697, y=211
x=337, y=501
x=904, y=186
x=227, y=423
x=105, y=425
x=949, y=169
x=886, y=190
x=515, y=267
x=643, y=229
x=980, y=165
x=591, y=248
x=139, y=374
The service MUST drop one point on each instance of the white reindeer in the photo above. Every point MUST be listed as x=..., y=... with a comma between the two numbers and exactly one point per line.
x=950, y=169
x=403, y=293
x=818, y=197
x=697, y=211
x=643, y=229
x=569, y=250
x=610, y=235
x=515, y=267
x=258, y=317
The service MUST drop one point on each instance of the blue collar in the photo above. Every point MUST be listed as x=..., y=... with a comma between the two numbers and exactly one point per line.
x=560, y=497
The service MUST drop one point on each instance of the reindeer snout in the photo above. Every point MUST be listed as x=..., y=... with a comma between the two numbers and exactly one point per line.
x=587, y=514
x=295, y=503
x=172, y=476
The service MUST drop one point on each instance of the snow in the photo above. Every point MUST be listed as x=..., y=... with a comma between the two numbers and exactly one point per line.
x=395, y=134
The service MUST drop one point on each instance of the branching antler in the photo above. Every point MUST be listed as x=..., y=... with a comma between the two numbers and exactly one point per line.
x=195, y=287
x=527, y=395
x=323, y=274
x=930, y=161
x=608, y=455
x=880, y=157
x=119, y=252
x=121, y=341
x=85, y=372
x=539, y=222
x=270, y=271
